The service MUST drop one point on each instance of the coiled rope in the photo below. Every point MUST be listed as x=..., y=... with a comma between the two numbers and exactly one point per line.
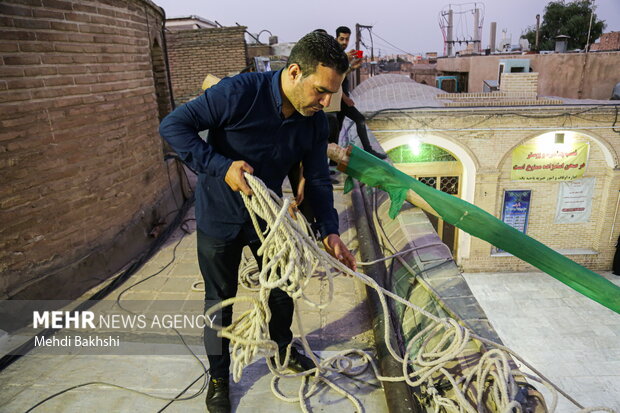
x=290, y=256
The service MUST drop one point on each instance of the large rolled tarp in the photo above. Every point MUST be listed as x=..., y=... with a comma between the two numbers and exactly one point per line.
x=479, y=223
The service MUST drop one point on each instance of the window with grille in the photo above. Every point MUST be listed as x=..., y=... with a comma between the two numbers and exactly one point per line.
x=449, y=184
x=429, y=180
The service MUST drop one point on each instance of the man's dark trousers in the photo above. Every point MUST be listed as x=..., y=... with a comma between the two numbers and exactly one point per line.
x=219, y=264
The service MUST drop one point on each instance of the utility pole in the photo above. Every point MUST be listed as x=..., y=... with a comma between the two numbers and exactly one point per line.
x=358, y=35
x=537, y=32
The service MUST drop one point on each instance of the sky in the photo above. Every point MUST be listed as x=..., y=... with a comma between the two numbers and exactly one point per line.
x=399, y=26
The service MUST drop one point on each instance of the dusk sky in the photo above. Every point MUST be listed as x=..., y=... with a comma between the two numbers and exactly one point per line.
x=399, y=26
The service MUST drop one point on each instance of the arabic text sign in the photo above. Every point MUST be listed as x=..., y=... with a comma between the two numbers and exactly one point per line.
x=530, y=163
x=575, y=201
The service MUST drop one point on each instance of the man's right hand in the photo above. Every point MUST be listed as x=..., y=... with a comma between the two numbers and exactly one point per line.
x=354, y=61
x=235, y=179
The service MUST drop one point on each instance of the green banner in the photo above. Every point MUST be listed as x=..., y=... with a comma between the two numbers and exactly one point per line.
x=479, y=223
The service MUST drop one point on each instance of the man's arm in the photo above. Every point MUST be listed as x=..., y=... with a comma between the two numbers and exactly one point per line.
x=354, y=63
x=180, y=129
x=319, y=193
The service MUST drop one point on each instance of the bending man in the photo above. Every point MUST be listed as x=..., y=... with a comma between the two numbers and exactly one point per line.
x=263, y=124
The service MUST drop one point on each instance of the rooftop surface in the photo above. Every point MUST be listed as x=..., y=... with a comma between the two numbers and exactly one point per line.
x=569, y=338
x=396, y=91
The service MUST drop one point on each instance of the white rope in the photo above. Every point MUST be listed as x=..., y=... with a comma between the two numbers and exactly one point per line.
x=290, y=256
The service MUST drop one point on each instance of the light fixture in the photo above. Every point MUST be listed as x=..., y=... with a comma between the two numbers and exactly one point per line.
x=414, y=146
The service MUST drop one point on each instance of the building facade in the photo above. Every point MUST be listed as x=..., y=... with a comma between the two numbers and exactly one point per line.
x=568, y=75
x=473, y=150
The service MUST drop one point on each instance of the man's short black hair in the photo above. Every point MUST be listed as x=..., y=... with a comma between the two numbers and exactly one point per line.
x=315, y=48
x=342, y=29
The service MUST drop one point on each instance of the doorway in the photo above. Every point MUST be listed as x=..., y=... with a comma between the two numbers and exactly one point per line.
x=449, y=184
x=437, y=168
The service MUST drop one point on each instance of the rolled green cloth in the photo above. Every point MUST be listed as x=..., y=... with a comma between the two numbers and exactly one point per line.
x=479, y=223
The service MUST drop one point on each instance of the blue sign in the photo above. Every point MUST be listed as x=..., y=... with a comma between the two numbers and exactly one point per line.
x=516, y=209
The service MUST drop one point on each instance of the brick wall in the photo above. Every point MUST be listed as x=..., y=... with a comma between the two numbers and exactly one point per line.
x=608, y=41
x=80, y=154
x=522, y=84
x=193, y=54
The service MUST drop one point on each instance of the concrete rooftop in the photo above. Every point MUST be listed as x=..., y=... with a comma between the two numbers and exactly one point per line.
x=572, y=340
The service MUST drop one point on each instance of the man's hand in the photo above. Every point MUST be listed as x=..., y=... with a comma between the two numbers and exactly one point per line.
x=354, y=61
x=336, y=248
x=235, y=179
x=347, y=100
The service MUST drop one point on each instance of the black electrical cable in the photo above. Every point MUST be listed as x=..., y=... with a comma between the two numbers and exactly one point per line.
x=505, y=113
x=613, y=126
x=181, y=393
x=155, y=246
x=396, y=47
x=565, y=115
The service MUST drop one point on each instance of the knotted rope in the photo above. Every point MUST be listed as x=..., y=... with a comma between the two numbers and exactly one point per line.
x=290, y=256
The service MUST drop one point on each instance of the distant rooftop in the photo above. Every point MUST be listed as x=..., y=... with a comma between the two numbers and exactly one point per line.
x=393, y=91
x=189, y=23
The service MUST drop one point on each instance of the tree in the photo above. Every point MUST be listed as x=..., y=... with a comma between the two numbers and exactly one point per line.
x=570, y=19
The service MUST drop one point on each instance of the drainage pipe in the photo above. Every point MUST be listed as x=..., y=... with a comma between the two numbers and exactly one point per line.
x=398, y=395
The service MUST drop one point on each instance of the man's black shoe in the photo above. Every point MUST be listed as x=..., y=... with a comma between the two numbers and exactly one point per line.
x=218, y=400
x=297, y=362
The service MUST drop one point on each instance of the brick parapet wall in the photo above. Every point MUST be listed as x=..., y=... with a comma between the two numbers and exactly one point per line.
x=490, y=136
x=519, y=84
x=193, y=54
x=607, y=42
x=80, y=153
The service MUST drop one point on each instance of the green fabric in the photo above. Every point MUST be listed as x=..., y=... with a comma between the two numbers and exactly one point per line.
x=479, y=223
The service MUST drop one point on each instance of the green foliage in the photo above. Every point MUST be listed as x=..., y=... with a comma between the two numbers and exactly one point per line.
x=570, y=19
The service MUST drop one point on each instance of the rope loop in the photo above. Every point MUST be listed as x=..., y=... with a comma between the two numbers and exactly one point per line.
x=290, y=256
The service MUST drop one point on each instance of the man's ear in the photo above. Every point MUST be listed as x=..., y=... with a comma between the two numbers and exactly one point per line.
x=294, y=71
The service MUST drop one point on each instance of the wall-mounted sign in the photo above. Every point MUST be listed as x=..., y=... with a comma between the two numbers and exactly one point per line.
x=531, y=163
x=516, y=209
x=575, y=201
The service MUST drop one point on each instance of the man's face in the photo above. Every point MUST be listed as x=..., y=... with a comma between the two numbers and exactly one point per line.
x=312, y=93
x=343, y=40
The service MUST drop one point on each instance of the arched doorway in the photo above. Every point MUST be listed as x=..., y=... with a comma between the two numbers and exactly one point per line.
x=437, y=168
x=468, y=167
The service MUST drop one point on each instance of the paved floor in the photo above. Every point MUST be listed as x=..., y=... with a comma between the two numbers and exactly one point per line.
x=572, y=340
x=344, y=324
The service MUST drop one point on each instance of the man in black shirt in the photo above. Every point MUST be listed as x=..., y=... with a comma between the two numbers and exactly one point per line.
x=347, y=106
